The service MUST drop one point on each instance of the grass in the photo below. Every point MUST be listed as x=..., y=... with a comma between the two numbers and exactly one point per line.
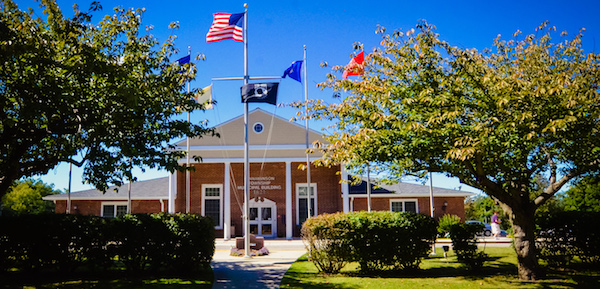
x=116, y=280
x=439, y=272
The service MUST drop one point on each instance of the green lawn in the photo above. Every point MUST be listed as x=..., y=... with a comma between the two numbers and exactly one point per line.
x=439, y=272
x=117, y=280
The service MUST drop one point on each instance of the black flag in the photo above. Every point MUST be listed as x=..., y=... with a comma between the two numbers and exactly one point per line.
x=260, y=92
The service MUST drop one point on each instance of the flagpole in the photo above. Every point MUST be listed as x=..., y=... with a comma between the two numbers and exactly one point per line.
x=187, y=172
x=246, y=162
x=431, y=207
x=308, y=203
x=368, y=188
x=68, y=211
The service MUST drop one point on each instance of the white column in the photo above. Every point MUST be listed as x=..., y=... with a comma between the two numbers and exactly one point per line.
x=345, y=190
x=172, y=191
x=227, y=203
x=289, y=220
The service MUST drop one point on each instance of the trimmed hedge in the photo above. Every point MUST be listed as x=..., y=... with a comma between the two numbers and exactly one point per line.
x=376, y=240
x=566, y=235
x=59, y=242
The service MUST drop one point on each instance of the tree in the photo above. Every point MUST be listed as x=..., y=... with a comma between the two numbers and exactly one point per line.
x=481, y=207
x=104, y=96
x=25, y=197
x=584, y=195
x=494, y=119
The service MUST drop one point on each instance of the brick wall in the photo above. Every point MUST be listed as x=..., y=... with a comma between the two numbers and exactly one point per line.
x=455, y=205
x=327, y=180
x=94, y=207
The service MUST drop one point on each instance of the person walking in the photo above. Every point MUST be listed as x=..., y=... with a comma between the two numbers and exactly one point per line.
x=496, y=225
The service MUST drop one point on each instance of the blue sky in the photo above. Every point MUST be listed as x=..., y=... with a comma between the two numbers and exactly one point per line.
x=279, y=29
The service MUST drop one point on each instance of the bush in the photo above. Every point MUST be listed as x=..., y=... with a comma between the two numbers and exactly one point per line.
x=387, y=240
x=566, y=235
x=377, y=240
x=193, y=241
x=328, y=242
x=445, y=223
x=181, y=243
x=58, y=242
x=464, y=243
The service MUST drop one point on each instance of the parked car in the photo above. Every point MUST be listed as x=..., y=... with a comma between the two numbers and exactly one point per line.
x=487, y=230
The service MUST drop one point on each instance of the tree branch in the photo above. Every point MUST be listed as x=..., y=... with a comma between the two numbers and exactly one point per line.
x=488, y=186
x=551, y=164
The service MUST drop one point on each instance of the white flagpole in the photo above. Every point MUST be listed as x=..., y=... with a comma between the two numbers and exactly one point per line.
x=431, y=207
x=368, y=188
x=68, y=211
x=246, y=162
x=308, y=203
x=187, y=172
x=129, y=187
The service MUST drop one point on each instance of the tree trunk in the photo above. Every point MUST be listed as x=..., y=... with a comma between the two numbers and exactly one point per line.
x=523, y=222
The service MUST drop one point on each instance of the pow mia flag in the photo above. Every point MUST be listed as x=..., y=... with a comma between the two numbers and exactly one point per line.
x=260, y=92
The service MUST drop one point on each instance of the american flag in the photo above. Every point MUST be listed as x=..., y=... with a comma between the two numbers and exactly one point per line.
x=226, y=26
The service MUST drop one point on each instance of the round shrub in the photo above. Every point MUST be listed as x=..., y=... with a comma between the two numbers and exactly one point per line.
x=326, y=237
x=376, y=240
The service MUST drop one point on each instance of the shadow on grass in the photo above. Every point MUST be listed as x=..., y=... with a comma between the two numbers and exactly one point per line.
x=115, y=279
x=498, y=271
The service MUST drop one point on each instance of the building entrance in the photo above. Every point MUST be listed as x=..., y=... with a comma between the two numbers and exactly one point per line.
x=263, y=218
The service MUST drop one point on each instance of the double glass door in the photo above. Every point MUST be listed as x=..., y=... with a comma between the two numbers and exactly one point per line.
x=263, y=216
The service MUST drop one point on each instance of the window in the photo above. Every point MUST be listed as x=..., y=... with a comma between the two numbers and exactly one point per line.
x=212, y=200
x=113, y=210
x=302, y=201
x=409, y=206
x=258, y=127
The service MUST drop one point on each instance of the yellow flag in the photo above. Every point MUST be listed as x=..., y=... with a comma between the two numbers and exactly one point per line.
x=206, y=97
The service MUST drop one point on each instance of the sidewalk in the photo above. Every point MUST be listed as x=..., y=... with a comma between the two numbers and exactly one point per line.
x=267, y=271
x=256, y=272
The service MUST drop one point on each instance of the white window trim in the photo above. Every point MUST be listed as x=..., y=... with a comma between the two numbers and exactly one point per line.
x=114, y=204
x=404, y=201
x=220, y=198
x=314, y=188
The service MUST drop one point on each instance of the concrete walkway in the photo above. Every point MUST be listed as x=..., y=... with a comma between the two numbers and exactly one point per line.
x=267, y=271
x=256, y=272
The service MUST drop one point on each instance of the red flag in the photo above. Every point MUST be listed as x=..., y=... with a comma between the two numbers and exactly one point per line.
x=226, y=26
x=355, y=67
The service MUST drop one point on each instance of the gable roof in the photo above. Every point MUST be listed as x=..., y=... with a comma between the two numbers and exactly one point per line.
x=279, y=138
x=155, y=189
x=401, y=189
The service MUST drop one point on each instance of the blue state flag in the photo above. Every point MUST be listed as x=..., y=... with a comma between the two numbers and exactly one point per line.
x=184, y=60
x=294, y=71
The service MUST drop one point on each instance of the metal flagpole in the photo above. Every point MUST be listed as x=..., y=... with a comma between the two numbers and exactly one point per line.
x=431, y=208
x=129, y=188
x=368, y=188
x=246, y=78
x=68, y=211
x=187, y=172
x=308, y=203
x=246, y=162
x=129, y=197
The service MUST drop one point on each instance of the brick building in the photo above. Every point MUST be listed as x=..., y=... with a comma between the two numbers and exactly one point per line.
x=278, y=186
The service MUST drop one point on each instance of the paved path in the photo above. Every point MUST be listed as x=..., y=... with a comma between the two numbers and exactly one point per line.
x=256, y=272
x=267, y=271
